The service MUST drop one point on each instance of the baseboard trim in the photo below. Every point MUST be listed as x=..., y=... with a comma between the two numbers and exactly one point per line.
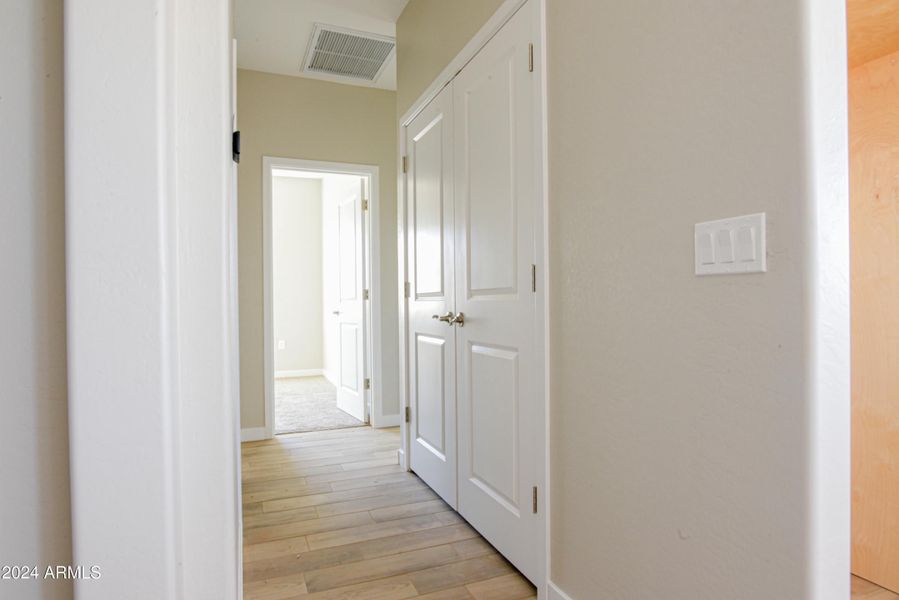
x=554, y=593
x=298, y=373
x=331, y=377
x=386, y=421
x=253, y=434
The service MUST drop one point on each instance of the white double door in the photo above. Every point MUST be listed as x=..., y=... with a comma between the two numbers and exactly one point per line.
x=472, y=190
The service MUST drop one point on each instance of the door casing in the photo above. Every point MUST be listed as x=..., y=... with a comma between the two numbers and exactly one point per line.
x=373, y=362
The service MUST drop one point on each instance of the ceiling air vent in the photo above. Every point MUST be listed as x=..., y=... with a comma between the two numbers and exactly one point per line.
x=347, y=53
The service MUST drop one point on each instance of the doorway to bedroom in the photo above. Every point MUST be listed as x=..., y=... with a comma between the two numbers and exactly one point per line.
x=318, y=294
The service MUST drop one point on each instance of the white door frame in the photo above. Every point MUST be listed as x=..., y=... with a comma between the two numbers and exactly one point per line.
x=480, y=39
x=373, y=364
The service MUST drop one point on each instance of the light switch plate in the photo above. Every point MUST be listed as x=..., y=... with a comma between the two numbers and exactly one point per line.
x=730, y=246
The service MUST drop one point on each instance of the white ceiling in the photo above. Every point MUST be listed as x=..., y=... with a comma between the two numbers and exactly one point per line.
x=272, y=35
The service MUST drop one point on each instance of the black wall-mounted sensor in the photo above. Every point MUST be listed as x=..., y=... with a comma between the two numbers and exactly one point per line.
x=235, y=146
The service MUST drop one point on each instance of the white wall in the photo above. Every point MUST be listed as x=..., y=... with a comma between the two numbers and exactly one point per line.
x=297, y=273
x=151, y=303
x=334, y=189
x=34, y=454
x=699, y=425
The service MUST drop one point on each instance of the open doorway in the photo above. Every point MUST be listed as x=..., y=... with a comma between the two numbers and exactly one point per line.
x=319, y=322
x=873, y=44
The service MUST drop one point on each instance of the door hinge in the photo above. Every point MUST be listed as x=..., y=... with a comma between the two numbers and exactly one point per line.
x=408, y=414
x=530, y=58
x=533, y=278
x=367, y=383
x=407, y=289
x=365, y=204
x=365, y=294
x=405, y=164
x=535, y=500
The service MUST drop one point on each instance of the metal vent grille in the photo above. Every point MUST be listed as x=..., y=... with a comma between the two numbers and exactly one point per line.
x=347, y=53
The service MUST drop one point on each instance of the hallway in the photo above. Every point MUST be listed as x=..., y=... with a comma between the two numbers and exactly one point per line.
x=331, y=515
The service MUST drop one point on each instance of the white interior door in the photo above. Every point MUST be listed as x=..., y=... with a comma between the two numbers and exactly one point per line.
x=496, y=195
x=431, y=343
x=351, y=313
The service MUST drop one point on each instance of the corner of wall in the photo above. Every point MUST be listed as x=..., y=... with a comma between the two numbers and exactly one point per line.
x=827, y=287
x=555, y=593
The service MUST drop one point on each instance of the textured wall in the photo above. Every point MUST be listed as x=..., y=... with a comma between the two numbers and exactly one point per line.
x=297, y=273
x=34, y=454
x=699, y=425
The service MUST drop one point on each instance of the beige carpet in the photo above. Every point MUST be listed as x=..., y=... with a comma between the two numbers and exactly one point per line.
x=308, y=404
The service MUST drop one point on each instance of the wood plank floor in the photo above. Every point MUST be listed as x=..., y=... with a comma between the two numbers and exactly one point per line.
x=865, y=590
x=329, y=515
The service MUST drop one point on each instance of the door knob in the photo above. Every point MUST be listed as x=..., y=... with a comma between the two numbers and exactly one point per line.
x=448, y=318
x=335, y=312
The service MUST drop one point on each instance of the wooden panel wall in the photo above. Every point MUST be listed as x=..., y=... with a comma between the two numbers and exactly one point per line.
x=874, y=182
x=873, y=29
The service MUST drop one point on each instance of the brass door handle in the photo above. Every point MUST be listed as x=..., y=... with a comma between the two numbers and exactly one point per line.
x=450, y=318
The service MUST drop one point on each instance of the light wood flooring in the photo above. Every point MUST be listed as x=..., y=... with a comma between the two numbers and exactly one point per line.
x=865, y=590
x=330, y=515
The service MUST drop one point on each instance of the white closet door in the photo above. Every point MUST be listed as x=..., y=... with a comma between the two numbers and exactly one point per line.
x=432, y=349
x=350, y=324
x=495, y=196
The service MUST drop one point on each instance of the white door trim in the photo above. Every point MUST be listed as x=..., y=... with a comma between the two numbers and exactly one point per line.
x=554, y=592
x=373, y=362
x=480, y=39
x=544, y=281
x=474, y=45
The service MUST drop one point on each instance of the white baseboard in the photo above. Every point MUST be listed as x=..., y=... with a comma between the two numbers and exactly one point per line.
x=253, y=434
x=298, y=373
x=555, y=593
x=331, y=377
x=385, y=421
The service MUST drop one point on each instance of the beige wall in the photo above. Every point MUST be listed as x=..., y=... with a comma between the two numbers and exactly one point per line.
x=297, y=273
x=294, y=117
x=429, y=34
x=34, y=454
x=692, y=437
